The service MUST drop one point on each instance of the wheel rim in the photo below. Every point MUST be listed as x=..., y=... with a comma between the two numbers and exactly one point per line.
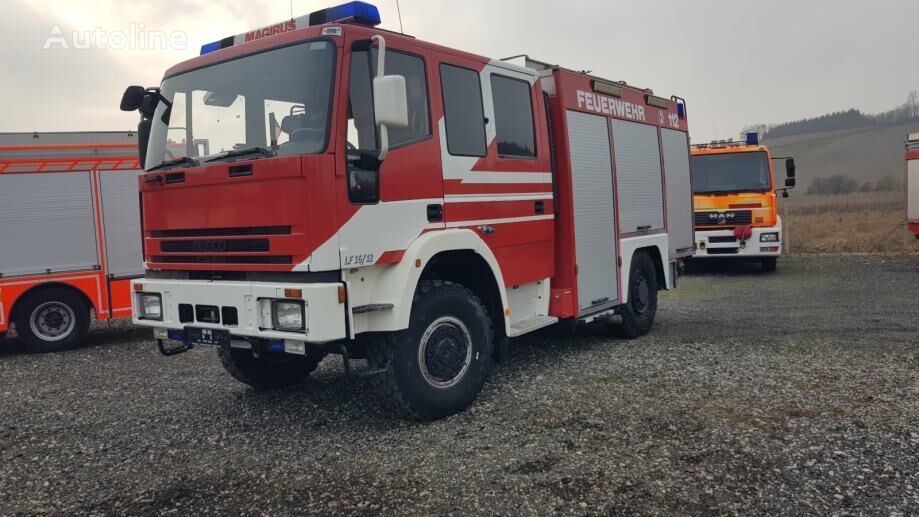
x=52, y=321
x=445, y=352
x=641, y=294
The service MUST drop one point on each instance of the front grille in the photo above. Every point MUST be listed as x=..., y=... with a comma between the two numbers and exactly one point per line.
x=730, y=218
x=222, y=259
x=722, y=240
x=215, y=246
x=722, y=251
x=223, y=232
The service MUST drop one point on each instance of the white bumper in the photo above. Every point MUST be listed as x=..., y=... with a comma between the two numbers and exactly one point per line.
x=723, y=244
x=324, y=314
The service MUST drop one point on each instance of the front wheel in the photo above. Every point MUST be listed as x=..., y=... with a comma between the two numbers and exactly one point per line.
x=437, y=366
x=52, y=320
x=639, y=312
x=770, y=264
x=269, y=370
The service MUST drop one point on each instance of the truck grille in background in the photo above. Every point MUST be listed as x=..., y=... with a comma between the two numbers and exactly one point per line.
x=722, y=240
x=728, y=219
x=223, y=259
x=215, y=246
x=722, y=251
x=223, y=232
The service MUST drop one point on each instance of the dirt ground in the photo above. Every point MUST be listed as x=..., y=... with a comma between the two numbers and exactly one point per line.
x=787, y=393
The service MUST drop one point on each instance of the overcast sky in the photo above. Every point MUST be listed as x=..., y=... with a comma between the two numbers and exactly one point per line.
x=735, y=61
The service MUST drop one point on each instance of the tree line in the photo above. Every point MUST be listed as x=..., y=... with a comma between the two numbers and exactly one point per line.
x=841, y=184
x=840, y=120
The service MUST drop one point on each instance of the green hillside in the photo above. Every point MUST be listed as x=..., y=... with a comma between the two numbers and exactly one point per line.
x=864, y=154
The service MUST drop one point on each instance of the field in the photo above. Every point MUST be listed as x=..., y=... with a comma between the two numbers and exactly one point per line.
x=855, y=223
x=755, y=394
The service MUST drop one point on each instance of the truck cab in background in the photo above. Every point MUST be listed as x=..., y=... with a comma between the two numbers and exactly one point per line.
x=736, y=201
x=912, y=183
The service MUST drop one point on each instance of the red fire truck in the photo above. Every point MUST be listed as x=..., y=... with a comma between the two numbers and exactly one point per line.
x=369, y=194
x=912, y=183
x=69, y=228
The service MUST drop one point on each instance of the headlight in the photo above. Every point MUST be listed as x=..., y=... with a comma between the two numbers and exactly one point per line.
x=150, y=306
x=287, y=315
x=769, y=237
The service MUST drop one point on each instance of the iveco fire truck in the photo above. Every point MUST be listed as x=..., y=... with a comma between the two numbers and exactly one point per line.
x=69, y=233
x=350, y=190
x=736, y=201
x=912, y=183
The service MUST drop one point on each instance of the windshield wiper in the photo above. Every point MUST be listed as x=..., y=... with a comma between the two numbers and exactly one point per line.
x=264, y=151
x=185, y=160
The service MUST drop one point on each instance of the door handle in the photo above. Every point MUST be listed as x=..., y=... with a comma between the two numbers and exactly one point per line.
x=487, y=230
x=435, y=213
x=540, y=207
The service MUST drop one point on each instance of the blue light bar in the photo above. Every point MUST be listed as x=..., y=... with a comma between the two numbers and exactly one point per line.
x=217, y=45
x=358, y=12
x=752, y=138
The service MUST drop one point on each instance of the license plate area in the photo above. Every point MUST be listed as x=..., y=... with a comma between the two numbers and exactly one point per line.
x=195, y=336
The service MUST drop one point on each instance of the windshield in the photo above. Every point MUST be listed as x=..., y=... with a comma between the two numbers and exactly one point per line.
x=731, y=172
x=278, y=100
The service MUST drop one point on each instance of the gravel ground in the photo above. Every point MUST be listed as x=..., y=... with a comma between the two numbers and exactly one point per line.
x=755, y=394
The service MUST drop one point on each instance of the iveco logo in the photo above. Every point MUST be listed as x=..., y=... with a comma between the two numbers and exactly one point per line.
x=721, y=218
x=210, y=246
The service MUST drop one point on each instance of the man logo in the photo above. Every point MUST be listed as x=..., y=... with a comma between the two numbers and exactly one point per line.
x=721, y=218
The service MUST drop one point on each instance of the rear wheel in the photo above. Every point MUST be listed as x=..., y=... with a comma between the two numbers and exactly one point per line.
x=638, y=314
x=438, y=366
x=52, y=320
x=770, y=264
x=269, y=370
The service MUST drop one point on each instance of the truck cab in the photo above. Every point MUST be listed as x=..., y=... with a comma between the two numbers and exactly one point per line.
x=736, y=201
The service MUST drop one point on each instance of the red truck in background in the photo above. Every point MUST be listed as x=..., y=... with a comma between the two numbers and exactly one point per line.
x=912, y=183
x=368, y=194
x=69, y=233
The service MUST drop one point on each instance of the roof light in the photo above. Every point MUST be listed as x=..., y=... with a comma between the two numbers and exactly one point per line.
x=357, y=12
x=607, y=89
x=657, y=102
x=752, y=138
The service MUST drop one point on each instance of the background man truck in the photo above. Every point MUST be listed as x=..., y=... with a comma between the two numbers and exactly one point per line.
x=736, y=206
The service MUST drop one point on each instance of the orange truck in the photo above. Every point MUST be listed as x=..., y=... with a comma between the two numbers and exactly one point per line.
x=736, y=201
x=69, y=233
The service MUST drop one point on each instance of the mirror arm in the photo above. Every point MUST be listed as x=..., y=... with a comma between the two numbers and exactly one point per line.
x=381, y=72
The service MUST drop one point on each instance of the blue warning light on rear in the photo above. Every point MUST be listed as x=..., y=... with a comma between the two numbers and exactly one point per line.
x=358, y=12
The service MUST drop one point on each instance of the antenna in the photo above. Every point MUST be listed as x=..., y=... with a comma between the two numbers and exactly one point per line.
x=291, y=9
x=399, y=12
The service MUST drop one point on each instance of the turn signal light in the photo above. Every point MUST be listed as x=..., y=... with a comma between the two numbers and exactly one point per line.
x=293, y=293
x=342, y=294
x=138, y=287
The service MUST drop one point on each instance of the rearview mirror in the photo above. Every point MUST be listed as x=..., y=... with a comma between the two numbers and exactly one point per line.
x=790, y=167
x=790, y=182
x=390, y=101
x=132, y=98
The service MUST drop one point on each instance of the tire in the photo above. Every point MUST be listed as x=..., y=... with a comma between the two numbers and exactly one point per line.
x=770, y=264
x=52, y=320
x=638, y=314
x=270, y=370
x=438, y=366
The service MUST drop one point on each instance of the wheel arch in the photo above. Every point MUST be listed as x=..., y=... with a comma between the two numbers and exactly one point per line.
x=47, y=286
x=433, y=256
x=655, y=245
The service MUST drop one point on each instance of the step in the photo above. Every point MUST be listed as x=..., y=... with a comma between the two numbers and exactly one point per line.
x=519, y=328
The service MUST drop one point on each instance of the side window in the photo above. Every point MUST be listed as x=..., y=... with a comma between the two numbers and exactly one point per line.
x=513, y=117
x=463, y=111
x=362, y=132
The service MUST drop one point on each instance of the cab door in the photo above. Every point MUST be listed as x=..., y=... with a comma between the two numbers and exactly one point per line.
x=384, y=207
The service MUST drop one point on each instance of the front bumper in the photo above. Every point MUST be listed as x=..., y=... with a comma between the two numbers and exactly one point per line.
x=324, y=310
x=723, y=244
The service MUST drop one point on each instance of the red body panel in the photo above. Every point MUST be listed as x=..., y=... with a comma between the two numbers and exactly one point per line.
x=572, y=91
